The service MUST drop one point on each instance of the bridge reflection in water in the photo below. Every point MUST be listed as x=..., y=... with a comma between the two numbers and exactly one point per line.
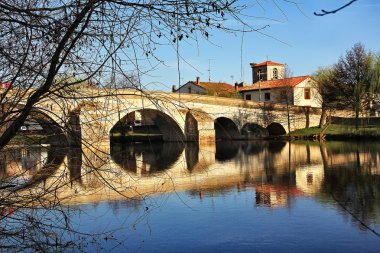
x=276, y=170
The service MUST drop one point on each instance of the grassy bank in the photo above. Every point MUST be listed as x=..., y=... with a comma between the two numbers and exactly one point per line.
x=29, y=139
x=333, y=131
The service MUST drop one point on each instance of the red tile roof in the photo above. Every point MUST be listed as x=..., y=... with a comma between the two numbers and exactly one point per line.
x=217, y=86
x=276, y=83
x=267, y=63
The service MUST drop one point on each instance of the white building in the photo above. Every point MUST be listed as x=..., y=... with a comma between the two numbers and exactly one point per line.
x=271, y=85
x=209, y=88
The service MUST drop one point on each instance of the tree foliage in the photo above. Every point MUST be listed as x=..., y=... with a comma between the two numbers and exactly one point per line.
x=326, y=90
x=91, y=39
x=352, y=78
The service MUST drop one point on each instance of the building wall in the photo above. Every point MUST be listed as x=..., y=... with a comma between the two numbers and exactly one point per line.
x=297, y=98
x=255, y=95
x=192, y=88
x=299, y=94
x=274, y=96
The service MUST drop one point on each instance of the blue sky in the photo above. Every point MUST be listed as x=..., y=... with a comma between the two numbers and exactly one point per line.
x=299, y=39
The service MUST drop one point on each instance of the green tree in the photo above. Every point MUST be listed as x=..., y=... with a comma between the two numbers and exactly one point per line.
x=324, y=87
x=351, y=79
x=375, y=83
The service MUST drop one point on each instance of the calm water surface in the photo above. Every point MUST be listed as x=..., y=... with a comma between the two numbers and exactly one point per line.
x=231, y=197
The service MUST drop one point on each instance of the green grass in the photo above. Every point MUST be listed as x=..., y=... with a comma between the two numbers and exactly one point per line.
x=29, y=139
x=134, y=134
x=306, y=131
x=339, y=131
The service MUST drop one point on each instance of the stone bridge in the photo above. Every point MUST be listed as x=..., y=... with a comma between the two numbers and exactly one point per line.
x=90, y=115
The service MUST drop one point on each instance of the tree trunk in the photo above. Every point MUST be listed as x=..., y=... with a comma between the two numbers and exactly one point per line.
x=356, y=117
x=307, y=116
x=322, y=120
x=288, y=111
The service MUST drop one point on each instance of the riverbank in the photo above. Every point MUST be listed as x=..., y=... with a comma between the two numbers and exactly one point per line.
x=337, y=132
x=29, y=139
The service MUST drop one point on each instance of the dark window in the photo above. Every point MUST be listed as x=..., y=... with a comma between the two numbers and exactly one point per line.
x=275, y=73
x=267, y=96
x=248, y=97
x=189, y=89
x=307, y=93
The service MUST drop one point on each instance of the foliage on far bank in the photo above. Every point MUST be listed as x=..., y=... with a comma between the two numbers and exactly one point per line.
x=353, y=82
x=333, y=131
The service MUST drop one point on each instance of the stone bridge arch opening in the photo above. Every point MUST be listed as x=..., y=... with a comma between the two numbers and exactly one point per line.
x=254, y=131
x=226, y=129
x=37, y=123
x=276, y=129
x=147, y=125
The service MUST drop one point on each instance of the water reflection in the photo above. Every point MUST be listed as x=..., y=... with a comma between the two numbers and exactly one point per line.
x=15, y=160
x=146, y=158
x=339, y=174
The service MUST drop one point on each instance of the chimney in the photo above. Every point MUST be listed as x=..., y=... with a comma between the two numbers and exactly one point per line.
x=197, y=81
x=236, y=87
x=174, y=88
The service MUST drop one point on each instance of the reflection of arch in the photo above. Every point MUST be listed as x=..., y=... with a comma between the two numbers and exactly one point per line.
x=226, y=150
x=275, y=129
x=55, y=158
x=254, y=131
x=167, y=126
x=275, y=147
x=226, y=129
x=254, y=148
x=146, y=157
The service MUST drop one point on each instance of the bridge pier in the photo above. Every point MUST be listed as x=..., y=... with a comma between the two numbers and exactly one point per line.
x=199, y=127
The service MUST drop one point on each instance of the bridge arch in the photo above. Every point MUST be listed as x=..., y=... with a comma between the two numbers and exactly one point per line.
x=226, y=129
x=151, y=120
x=275, y=129
x=38, y=121
x=254, y=131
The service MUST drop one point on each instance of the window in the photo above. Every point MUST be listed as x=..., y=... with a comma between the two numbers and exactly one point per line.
x=248, y=97
x=307, y=93
x=189, y=89
x=275, y=73
x=267, y=96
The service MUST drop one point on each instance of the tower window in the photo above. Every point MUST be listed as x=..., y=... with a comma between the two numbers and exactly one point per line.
x=275, y=73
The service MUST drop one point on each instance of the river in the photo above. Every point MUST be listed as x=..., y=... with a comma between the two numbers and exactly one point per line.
x=263, y=196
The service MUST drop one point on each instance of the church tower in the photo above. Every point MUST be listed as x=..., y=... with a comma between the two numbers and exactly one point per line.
x=266, y=71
